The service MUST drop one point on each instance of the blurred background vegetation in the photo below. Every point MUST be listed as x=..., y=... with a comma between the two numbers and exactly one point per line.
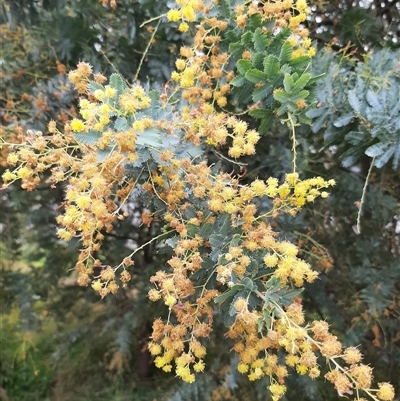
x=60, y=342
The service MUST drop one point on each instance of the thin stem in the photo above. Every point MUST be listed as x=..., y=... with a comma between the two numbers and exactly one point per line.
x=358, y=227
x=147, y=49
x=153, y=19
x=294, y=142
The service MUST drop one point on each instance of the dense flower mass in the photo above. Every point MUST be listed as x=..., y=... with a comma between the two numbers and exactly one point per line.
x=133, y=145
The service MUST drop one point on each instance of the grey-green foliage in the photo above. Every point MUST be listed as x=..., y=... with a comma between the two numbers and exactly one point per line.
x=359, y=106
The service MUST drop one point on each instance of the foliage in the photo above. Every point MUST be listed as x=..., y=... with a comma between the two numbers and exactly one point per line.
x=156, y=161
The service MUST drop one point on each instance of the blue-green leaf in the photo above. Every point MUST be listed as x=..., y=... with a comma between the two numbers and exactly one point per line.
x=343, y=120
x=121, y=124
x=376, y=150
x=118, y=83
x=353, y=101
x=150, y=137
x=90, y=138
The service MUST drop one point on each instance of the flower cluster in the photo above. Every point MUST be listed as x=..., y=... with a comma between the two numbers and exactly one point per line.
x=225, y=250
x=186, y=12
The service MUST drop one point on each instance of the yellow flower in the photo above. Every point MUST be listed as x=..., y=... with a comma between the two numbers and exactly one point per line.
x=83, y=201
x=277, y=389
x=243, y=368
x=77, y=125
x=170, y=301
x=183, y=27
x=180, y=64
x=110, y=92
x=24, y=173
x=64, y=234
x=8, y=176
x=270, y=260
x=199, y=366
x=188, y=13
x=386, y=392
x=155, y=349
x=12, y=158
x=175, y=76
x=222, y=102
x=99, y=94
x=167, y=368
x=311, y=52
x=96, y=285
x=173, y=15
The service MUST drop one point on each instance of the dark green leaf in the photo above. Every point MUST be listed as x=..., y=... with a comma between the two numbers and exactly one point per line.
x=260, y=40
x=243, y=66
x=261, y=93
x=271, y=67
x=255, y=76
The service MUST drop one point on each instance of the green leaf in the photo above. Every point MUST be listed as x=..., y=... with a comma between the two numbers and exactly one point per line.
x=261, y=93
x=217, y=240
x=315, y=78
x=304, y=119
x=266, y=122
x=260, y=113
x=301, y=82
x=243, y=66
x=257, y=60
x=271, y=67
x=235, y=48
x=300, y=62
x=255, y=21
x=223, y=9
x=206, y=230
x=255, y=76
x=247, y=38
x=260, y=40
x=282, y=109
x=238, y=81
x=281, y=96
x=288, y=83
x=299, y=96
x=228, y=294
x=286, y=53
